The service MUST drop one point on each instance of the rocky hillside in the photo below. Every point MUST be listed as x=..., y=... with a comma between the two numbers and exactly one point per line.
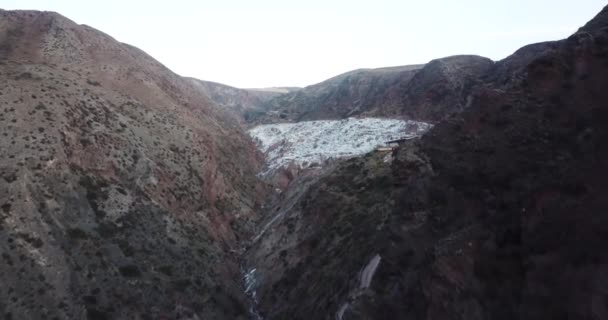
x=123, y=189
x=498, y=212
x=418, y=92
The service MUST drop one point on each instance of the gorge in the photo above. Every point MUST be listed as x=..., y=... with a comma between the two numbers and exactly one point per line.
x=130, y=192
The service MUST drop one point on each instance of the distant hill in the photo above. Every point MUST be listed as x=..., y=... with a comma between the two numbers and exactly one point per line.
x=342, y=96
x=418, y=92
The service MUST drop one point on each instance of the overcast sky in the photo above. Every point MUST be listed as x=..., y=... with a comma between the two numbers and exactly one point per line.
x=266, y=43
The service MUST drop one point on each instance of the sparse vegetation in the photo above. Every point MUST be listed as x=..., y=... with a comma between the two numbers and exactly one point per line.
x=129, y=271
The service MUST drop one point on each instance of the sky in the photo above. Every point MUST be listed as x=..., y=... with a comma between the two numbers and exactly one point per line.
x=265, y=43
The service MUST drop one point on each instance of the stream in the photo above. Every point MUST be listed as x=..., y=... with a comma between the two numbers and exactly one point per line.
x=250, y=274
x=250, y=281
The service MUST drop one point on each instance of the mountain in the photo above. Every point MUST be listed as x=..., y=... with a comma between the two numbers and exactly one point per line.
x=123, y=187
x=417, y=92
x=497, y=212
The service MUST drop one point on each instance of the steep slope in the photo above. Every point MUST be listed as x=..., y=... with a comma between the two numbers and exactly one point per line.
x=122, y=188
x=499, y=212
x=597, y=23
x=419, y=92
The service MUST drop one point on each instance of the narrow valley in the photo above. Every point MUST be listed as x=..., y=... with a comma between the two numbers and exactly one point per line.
x=462, y=188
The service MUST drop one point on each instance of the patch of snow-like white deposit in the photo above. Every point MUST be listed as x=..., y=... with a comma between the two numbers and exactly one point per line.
x=310, y=143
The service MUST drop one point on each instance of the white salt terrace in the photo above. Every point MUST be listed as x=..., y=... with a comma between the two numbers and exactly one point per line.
x=310, y=143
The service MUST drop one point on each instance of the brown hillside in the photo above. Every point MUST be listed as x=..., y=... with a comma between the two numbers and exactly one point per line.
x=122, y=188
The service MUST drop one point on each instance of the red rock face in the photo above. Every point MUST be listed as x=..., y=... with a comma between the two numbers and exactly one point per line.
x=123, y=183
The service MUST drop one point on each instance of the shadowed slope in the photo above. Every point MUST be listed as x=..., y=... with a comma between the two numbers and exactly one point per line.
x=498, y=212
